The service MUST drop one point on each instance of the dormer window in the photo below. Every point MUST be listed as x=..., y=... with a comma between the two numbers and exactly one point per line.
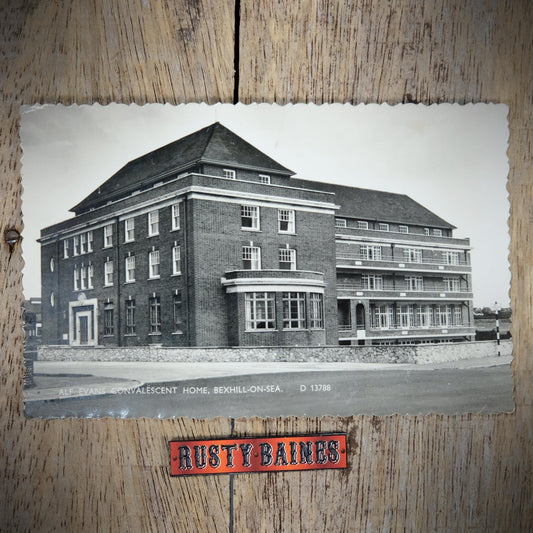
x=340, y=222
x=229, y=174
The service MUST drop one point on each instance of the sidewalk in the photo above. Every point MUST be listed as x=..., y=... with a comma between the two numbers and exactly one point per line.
x=78, y=379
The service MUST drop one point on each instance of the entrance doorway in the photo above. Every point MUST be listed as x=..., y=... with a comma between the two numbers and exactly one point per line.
x=83, y=323
x=83, y=331
x=360, y=316
x=344, y=315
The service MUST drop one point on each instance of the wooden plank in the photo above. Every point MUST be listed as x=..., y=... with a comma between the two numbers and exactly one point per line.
x=434, y=473
x=126, y=51
x=99, y=475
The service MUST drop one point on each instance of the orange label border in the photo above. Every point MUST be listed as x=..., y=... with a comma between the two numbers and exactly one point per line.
x=257, y=454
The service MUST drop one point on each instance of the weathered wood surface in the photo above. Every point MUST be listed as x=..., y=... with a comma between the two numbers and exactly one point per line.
x=433, y=473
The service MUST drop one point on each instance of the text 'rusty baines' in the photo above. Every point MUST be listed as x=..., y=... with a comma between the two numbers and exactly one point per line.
x=267, y=454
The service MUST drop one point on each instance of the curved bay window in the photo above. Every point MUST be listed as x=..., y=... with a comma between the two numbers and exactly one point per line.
x=316, y=311
x=260, y=311
x=293, y=310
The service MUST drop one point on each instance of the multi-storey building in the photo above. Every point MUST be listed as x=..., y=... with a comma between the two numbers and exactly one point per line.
x=209, y=242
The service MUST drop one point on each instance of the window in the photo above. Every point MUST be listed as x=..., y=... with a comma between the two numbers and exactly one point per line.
x=130, y=269
x=426, y=231
x=130, y=317
x=176, y=260
x=414, y=283
x=413, y=255
x=155, y=315
x=66, y=248
x=250, y=217
x=83, y=243
x=450, y=258
x=108, y=236
x=372, y=282
x=362, y=224
x=340, y=222
x=316, y=312
x=406, y=316
x=176, y=216
x=76, y=279
x=382, y=316
x=129, y=230
x=83, y=271
x=403, y=229
x=52, y=264
x=443, y=315
x=370, y=252
x=424, y=316
x=383, y=227
x=457, y=316
x=108, y=273
x=260, y=310
x=153, y=262
x=251, y=258
x=177, y=312
x=76, y=242
x=109, y=312
x=287, y=259
x=90, y=276
x=89, y=241
x=286, y=221
x=52, y=299
x=451, y=284
x=293, y=310
x=229, y=174
x=264, y=178
x=437, y=232
x=153, y=223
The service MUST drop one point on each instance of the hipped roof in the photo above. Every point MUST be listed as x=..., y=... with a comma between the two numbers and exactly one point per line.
x=219, y=145
x=370, y=204
x=213, y=144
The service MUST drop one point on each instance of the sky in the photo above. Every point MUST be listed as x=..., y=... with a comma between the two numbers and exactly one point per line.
x=450, y=158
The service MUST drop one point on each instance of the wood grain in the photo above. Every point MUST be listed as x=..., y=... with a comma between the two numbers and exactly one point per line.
x=433, y=473
x=99, y=475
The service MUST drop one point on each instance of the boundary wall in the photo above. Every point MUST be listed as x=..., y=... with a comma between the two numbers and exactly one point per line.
x=412, y=353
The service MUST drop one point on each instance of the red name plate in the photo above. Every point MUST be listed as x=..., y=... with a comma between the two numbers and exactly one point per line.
x=267, y=454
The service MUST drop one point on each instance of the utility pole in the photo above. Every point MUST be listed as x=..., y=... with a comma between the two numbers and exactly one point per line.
x=497, y=308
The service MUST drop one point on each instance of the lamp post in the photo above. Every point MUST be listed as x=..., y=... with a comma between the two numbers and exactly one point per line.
x=497, y=308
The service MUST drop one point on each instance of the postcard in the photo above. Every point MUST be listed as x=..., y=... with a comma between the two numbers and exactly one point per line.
x=262, y=260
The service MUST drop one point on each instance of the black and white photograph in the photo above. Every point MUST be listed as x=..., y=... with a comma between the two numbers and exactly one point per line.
x=263, y=260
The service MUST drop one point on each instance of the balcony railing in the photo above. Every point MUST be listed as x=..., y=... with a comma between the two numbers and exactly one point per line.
x=464, y=329
x=419, y=328
x=405, y=237
x=384, y=259
x=399, y=287
x=423, y=260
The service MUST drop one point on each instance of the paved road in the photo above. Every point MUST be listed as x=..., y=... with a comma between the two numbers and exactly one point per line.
x=380, y=392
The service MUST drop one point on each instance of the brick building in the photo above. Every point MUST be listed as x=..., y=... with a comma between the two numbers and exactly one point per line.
x=209, y=242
